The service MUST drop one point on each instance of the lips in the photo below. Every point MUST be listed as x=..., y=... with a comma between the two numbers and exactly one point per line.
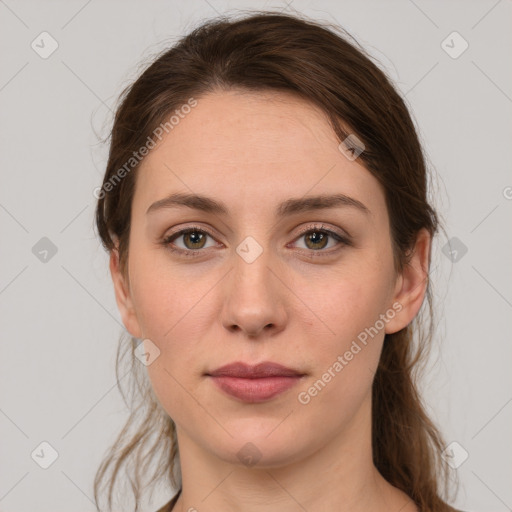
x=246, y=371
x=257, y=383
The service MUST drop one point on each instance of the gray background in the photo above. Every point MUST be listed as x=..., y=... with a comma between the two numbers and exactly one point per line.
x=60, y=323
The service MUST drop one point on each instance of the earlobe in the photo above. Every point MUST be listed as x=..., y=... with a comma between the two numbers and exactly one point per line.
x=123, y=296
x=411, y=284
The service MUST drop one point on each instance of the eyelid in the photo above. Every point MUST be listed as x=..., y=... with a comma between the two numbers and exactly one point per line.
x=322, y=227
x=187, y=229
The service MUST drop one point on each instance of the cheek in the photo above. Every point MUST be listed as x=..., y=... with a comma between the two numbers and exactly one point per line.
x=169, y=297
x=176, y=307
x=344, y=363
x=350, y=305
x=353, y=313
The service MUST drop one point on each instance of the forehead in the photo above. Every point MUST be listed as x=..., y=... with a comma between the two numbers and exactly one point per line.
x=235, y=126
x=255, y=145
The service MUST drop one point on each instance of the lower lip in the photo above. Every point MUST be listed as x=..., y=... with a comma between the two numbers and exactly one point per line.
x=255, y=390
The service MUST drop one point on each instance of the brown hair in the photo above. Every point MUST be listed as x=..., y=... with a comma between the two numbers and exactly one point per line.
x=289, y=53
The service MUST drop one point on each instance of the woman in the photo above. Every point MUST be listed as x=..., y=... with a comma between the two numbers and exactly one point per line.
x=265, y=210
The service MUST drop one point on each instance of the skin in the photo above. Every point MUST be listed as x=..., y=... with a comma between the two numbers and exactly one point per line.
x=252, y=151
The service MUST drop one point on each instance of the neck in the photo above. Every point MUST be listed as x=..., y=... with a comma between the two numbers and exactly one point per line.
x=336, y=476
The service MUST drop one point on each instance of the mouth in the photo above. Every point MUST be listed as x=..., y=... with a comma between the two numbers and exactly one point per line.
x=254, y=384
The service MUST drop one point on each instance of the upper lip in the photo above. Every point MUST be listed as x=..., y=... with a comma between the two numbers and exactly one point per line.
x=247, y=371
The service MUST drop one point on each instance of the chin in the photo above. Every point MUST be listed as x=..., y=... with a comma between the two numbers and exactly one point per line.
x=251, y=447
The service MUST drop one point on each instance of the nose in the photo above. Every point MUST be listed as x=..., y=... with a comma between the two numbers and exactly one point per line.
x=254, y=297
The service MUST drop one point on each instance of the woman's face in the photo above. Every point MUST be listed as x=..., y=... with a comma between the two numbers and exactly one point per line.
x=262, y=280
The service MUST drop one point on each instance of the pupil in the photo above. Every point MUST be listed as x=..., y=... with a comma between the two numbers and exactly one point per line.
x=195, y=237
x=317, y=238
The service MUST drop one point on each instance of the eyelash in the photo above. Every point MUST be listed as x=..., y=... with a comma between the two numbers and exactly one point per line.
x=342, y=241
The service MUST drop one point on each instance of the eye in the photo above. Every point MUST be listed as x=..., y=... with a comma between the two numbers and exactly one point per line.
x=319, y=238
x=193, y=239
x=190, y=241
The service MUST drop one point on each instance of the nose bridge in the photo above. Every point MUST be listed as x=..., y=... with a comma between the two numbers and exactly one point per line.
x=252, y=274
x=252, y=266
x=253, y=301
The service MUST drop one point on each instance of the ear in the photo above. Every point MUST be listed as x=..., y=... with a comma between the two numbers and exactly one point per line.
x=411, y=284
x=123, y=296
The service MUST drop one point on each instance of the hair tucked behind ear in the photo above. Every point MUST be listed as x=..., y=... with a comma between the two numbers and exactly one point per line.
x=325, y=66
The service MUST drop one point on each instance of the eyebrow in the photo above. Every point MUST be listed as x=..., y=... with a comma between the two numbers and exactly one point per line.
x=286, y=208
